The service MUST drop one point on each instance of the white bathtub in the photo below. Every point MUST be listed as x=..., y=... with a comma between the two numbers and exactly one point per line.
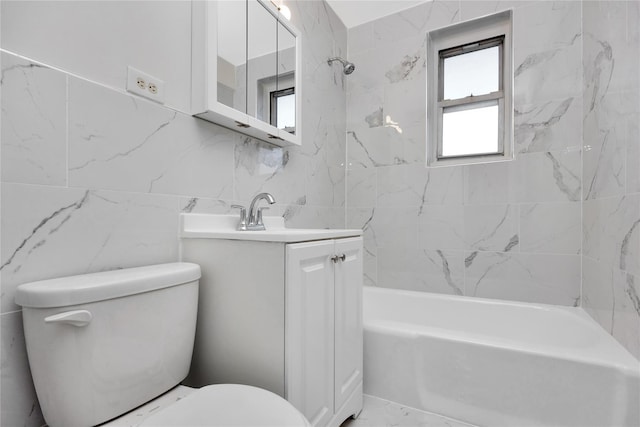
x=497, y=363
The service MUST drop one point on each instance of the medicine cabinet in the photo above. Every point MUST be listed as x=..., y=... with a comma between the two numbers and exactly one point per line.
x=246, y=63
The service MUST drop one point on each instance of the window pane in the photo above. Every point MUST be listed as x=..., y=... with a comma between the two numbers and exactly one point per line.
x=474, y=73
x=470, y=131
x=286, y=107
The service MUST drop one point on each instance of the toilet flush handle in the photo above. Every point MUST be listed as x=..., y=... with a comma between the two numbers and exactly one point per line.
x=76, y=318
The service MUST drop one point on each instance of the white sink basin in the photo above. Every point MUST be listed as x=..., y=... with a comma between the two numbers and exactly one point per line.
x=205, y=226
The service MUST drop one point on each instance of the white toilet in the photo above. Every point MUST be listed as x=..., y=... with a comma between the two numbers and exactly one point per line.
x=102, y=344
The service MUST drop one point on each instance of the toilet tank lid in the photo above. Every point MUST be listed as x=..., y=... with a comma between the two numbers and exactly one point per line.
x=86, y=288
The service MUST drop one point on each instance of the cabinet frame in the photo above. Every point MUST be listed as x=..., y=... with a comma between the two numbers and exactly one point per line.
x=204, y=78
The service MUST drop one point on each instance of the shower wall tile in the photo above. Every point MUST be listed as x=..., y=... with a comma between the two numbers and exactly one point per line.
x=611, y=202
x=34, y=145
x=548, y=126
x=610, y=127
x=542, y=278
x=470, y=9
x=395, y=227
x=550, y=176
x=611, y=45
x=611, y=232
x=441, y=227
x=611, y=297
x=424, y=270
x=19, y=401
x=416, y=20
x=550, y=228
x=491, y=228
x=495, y=209
x=361, y=187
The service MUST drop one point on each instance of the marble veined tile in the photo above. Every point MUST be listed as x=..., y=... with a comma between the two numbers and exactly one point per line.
x=612, y=231
x=419, y=19
x=260, y=167
x=491, y=228
x=543, y=278
x=360, y=38
x=417, y=186
x=470, y=9
x=550, y=227
x=610, y=127
x=612, y=298
x=547, y=39
x=34, y=132
x=611, y=44
x=52, y=232
x=425, y=270
x=121, y=142
x=547, y=24
x=18, y=398
x=378, y=412
x=550, y=176
x=441, y=227
x=361, y=187
x=549, y=126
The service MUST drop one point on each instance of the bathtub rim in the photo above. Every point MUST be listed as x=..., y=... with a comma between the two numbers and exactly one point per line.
x=621, y=359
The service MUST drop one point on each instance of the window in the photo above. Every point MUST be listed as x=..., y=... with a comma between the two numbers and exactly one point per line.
x=469, y=92
x=283, y=109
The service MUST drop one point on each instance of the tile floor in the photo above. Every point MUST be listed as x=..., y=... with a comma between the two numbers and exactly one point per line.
x=382, y=413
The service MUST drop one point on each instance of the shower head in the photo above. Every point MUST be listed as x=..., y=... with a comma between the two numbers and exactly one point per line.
x=348, y=67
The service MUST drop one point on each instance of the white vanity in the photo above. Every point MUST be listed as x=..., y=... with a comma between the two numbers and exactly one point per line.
x=279, y=309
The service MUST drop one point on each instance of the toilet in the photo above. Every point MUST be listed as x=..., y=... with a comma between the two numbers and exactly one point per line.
x=101, y=345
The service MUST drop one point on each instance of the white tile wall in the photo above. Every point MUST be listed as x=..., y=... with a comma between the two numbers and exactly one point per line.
x=505, y=230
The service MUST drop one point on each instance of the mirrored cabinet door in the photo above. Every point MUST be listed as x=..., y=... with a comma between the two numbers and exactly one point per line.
x=262, y=59
x=282, y=101
x=246, y=59
x=232, y=54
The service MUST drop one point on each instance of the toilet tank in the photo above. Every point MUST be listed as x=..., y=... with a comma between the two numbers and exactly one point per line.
x=102, y=344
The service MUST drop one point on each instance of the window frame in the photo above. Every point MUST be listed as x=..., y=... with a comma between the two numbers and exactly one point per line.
x=273, y=103
x=462, y=38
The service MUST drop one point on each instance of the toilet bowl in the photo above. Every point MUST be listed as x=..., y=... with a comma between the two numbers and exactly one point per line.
x=100, y=345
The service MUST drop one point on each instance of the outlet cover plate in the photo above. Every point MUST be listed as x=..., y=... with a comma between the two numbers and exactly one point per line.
x=145, y=85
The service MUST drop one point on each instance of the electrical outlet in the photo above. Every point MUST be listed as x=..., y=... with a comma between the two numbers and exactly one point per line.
x=145, y=85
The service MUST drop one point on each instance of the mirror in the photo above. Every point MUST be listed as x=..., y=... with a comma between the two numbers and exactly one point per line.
x=282, y=101
x=245, y=69
x=262, y=59
x=232, y=54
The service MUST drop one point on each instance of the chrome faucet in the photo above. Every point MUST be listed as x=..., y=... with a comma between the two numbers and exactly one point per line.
x=253, y=221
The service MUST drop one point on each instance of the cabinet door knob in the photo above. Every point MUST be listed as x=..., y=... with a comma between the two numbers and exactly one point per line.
x=337, y=258
x=342, y=257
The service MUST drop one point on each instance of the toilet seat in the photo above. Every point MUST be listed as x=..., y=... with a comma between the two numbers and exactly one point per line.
x=228, y=405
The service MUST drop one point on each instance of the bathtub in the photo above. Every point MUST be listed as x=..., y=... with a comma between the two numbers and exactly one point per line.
x=497, y=363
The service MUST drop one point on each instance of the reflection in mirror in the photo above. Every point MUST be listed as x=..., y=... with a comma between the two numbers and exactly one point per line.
x=262, y=62
x=283, y=100
x=232, y=54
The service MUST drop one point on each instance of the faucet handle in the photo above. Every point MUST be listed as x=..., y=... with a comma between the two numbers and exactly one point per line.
x=242, y=224
x=259, y=216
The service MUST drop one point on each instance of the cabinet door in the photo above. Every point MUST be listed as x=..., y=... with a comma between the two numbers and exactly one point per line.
x=348, y=318
x=309, y=335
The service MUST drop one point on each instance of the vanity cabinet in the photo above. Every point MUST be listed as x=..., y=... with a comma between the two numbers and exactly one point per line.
x=324, y=326
x=284, y=316
x=246, y=62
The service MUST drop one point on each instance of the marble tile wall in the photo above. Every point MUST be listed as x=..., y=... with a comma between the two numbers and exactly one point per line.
x=94, y=178
x=611, y=165
x=506, y=230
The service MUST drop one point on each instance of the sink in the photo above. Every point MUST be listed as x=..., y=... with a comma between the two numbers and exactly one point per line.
x=207, y=226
